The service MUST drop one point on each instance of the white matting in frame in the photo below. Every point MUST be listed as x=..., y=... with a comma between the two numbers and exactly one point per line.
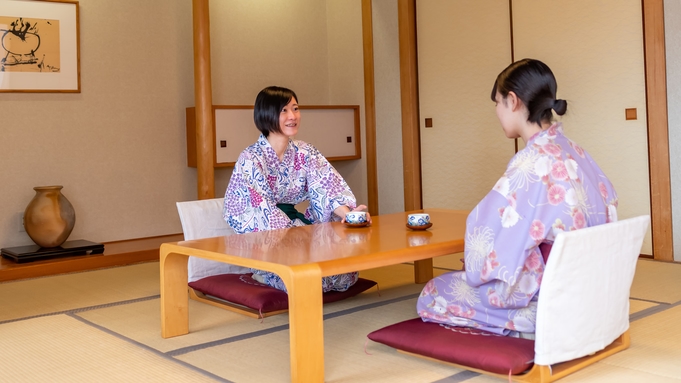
x=39, y=46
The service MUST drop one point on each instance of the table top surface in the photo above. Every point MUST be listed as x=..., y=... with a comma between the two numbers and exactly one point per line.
x=335, y=246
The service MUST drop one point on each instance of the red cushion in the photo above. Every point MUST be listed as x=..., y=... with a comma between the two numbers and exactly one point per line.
x=246, y=291
x=545, y=249
x=461, y=345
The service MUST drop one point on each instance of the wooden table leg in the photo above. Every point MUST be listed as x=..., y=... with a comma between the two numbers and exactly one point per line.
x=174, y=299
x=306, y=323
x=423, y=270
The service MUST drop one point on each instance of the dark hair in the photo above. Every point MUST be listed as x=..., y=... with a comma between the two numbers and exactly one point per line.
x=534, y=84
x=268, y=105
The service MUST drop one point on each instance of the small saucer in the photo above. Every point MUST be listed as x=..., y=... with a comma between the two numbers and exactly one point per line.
x=362, y=224
x=422, y=227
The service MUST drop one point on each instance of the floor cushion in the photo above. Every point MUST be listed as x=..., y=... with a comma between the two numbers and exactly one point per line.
x=243, y=290
x=460, y=345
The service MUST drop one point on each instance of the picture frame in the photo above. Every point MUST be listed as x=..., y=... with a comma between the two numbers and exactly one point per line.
x=39, y=46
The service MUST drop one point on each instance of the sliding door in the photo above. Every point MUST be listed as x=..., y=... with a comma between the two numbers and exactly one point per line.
x=595, y=49
x=462, y=47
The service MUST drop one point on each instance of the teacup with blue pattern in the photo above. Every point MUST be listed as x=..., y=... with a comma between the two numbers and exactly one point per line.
x=355, y=217
x=419, y=219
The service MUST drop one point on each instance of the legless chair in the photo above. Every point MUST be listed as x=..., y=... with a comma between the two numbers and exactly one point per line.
x=231, y=287
x=203, y=219
x=582, y=312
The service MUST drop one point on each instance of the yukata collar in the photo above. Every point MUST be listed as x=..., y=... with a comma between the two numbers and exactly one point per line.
x=262, y=141
x=556, y=127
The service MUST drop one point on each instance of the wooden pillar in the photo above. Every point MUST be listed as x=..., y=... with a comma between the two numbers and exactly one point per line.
x=658, y=137
x=203, y=100
x=370, y=106
x=411, y=137
x=411, y=140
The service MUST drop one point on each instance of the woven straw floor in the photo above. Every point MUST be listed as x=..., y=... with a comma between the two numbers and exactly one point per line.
x=104, y=326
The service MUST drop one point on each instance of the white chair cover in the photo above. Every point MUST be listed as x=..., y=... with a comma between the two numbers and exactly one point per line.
x=584, y=299
x=203, y=219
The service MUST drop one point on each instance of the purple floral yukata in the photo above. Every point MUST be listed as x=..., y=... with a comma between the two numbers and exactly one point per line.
x=260, y=182
x=550, y=186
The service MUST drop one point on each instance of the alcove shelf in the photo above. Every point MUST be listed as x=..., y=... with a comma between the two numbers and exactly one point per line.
x=116, y=253
x=333, y=129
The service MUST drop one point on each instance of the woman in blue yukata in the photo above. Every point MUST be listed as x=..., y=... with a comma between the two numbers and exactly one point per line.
x=550, y=186
x=276, y=173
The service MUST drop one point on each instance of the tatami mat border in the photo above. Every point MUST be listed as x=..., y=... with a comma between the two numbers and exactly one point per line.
x=147, y=348
x=219, y=342
x=88, y=308
x=461, y=376
x=652, y=310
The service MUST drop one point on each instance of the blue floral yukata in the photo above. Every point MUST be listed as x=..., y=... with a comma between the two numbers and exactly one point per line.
x=550, y=186
x=260, y=181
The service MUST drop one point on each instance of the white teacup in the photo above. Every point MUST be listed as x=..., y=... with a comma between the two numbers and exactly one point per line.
x=355, y=217
x=418, y=219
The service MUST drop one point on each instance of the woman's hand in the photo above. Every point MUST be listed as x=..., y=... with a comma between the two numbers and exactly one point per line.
x=363, y=208
x=341, y=211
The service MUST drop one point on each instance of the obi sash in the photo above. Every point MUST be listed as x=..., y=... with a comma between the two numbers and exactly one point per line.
x=292, y=213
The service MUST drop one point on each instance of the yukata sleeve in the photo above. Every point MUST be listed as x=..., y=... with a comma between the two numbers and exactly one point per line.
x=502, y=237
x=249, y=200
x=327, y=190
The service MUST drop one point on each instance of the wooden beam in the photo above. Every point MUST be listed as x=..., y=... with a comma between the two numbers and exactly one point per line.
x=411, y=141
x=370, y=106
x=203, y=99
x=658, y=138
x=411, y=138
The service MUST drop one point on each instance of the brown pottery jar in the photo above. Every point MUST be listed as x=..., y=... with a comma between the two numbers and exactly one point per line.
x=49, y=217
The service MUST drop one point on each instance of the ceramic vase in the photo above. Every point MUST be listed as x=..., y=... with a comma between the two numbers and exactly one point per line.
x=49, y=217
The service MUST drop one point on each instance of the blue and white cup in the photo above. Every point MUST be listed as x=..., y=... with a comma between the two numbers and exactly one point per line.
x=355, y=217
x=418, y=219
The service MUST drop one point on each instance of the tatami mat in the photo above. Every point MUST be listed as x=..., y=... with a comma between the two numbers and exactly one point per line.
x=21, y=299
x=637, y=306
x=104, y=325
x=451, y=261
x=655, y=339
x=63, y=349
x=657, y=281
x=345, y=358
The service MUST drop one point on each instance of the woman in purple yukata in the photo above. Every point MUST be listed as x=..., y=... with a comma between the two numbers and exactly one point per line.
x=278, y=172
x=550, y=186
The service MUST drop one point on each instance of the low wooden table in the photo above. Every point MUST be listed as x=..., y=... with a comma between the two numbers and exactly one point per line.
x=301, y=256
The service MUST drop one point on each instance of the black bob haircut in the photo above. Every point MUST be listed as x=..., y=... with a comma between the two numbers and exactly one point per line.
x=268, y=105
x=534, y=84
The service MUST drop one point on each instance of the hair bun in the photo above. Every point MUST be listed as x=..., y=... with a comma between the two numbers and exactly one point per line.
x=560, y=106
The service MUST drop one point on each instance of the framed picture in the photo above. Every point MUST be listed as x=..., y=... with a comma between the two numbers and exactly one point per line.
x=39, y=46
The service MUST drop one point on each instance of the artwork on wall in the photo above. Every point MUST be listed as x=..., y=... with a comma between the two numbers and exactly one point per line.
x=39, y=46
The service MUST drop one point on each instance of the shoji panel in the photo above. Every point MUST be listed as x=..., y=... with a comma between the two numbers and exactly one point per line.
x=462, y=47
x=595, y=49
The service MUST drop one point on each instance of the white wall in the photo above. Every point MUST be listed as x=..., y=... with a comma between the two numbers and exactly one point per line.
x=346, y=79
x=312, y=47
x=388, y=107
x=119, y=147
x=672, y=20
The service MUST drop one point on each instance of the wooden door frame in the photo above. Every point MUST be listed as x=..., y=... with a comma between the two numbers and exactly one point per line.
x=656, y=99
x=658, y=129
